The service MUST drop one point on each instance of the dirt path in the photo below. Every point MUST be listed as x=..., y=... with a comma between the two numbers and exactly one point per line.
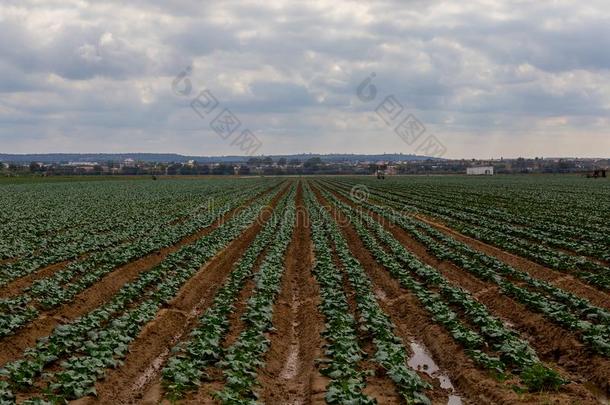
x=100, y=292
x=16, y=286
x=137, y=381
x=555, y=345
x=290, y=375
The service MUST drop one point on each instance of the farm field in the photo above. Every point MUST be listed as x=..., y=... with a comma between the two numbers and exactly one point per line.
x=308, y=290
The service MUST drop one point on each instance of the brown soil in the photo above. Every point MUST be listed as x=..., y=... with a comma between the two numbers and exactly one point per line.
x=99, y=293
x=15, y=287
x=138, y=377
x=377, y=385
x=290, y=372
x=9, y=260
x=562, y=280
x=545, y=337
x=235, y=318
x=553, y=344
x=290, y=361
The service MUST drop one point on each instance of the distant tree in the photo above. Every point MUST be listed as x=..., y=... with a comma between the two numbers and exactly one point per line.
x=203, y=169
x=294, y=162
x=268, y=160
x=187, y=170
x=223, y=169
x=313, y=162
x=254, y=161
x=173, y=168
x=35, y=167
x=281, y=162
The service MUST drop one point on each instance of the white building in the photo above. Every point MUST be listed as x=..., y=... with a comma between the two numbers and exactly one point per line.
x=82, y=163
x=481, y=170
x=129, y=162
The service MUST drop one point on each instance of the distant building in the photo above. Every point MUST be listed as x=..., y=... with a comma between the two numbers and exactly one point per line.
x=81, y=164
x=480, y=170
x=129, y=162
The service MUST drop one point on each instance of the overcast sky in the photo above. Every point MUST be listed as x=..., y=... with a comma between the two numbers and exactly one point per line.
x=487, y=78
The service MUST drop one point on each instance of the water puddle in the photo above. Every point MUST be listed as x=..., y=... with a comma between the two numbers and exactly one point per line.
x=381, y=295
x=291, y=367
x=151, y=371
x=422, y=361
x=292, y=364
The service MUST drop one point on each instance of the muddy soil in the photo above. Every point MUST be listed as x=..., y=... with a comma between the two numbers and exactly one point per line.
x=290, y=375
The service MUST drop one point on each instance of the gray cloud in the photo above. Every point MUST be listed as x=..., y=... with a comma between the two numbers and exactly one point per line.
x=489, y=78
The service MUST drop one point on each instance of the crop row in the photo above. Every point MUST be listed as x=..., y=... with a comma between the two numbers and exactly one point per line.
x=564, y=308
x=590, y=271
x=516, y=225
x=63, y=285
x=390, y=351
x=54, y=220
x=539, y=205
x=438, y=295
x=186, y=367
x=342, y=349
x=100, y=339
x=245, y=356
x=124, y=228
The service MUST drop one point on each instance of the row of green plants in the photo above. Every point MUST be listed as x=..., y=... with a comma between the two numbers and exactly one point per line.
x=14, y=313
x=518, y=228
x=100, y=339
x=538, y=205
x=453, y=205
x=342, y=349
x=62, y=286
x=185, y=368
x=125, y=224
x=245, y=356
x=82, y=227
x=438, y=296
x=39, y=212
x=564, y=308
x=519, y=224
x=590, y=271
x=390, y=352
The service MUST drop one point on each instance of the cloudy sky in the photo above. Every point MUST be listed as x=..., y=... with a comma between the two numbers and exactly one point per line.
x=486, y=78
